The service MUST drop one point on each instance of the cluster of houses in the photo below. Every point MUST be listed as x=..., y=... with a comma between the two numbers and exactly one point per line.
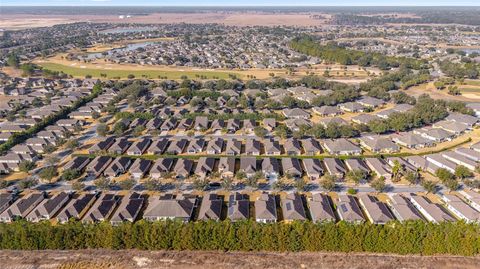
x=32, y=148
x=237, y=48
x=317, y=207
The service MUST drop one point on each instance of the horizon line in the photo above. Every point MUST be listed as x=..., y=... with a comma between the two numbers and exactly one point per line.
x=229, y=6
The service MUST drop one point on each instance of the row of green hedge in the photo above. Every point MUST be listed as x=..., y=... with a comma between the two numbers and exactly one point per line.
x=402, y=238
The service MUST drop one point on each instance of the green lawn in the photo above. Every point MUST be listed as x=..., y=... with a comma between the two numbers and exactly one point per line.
x=151, y=74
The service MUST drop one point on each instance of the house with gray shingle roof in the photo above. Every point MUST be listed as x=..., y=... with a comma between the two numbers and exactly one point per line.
x=378, y=144
x=211, y=207
x=129, y=209
x=266, y=208
x=292, y=207
x=321, y=208
x=341, y=146
x=169, y=206
x=238, y=207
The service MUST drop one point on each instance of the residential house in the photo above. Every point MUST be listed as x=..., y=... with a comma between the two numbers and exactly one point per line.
x=161, y=167
x=452, y=126
x=238, y=207
x=139, y=147
x=370, y=102
x=102, y=209
x=270, y=124
x=266, y=208
x=377, y=144
x=233, y=147
x=327, y=111
x=313, y=168
x=158, y=146
x=196, y=146
x=270, y=168
x=117, y=167
x=311, y=147
x=472, y=197
x=233, y=125
x=226, y=167
x=183, y=168
x=168, y=125
x=129, y=208
x=169, y=206
x=379, y=168
x=215, y=146
x=348, y=209
x=292, y=167
x=376, y=211
x=437, y=135
x=22, y=206
x=96, y=167
x=252, y=147
x=211, y=207
x=272, y=147
x=432, y=212
x=334, y=167
x=352, y=107
x=120, y=146
x=204, y=166
x=296, y=113
x=412, y=141
x=48, y=207
x=177, y=146
x=321, y=208
x=402, y=208
x=341, y=146
x=140, y=168
x=102, y=145
x=201, y=123
x=292, y=146
x=77, y=207
x=460, y=209
x=248, y=165
x=292, y=207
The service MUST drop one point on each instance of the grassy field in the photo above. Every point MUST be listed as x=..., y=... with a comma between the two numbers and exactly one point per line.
x=146, y=73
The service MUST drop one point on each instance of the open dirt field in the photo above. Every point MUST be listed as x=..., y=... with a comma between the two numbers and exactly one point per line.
x=22, y=21
x=127, y=259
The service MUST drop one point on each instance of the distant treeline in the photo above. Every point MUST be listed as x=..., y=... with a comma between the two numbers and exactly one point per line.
x=332, y=52
x=456, y=238
x=466, y=17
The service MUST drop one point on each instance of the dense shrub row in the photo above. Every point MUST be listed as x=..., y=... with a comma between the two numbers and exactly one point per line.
x=402, y=238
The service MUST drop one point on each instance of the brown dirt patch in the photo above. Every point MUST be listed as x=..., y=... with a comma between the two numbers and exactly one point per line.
x=126, y=259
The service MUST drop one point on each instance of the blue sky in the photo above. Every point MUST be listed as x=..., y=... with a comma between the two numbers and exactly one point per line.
x=239, y=3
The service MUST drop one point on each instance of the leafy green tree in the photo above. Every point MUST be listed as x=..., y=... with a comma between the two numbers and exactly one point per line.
x=78, y=186
x=352, y=191
x=70, y=174
x=27, y=183
x=127, y=184
x=462, y=172
x=444, y=175
x=356, y=175
x=452, y=184
x=48, y=173
x=378, y=184
x=260, y=131
x=412, y=177
x=429, y=186
x=200, y=184
x=26, y=166
x=328, y=182
x=13, y=60
x=102, y=129
x=227, y=183
x=102, y=183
